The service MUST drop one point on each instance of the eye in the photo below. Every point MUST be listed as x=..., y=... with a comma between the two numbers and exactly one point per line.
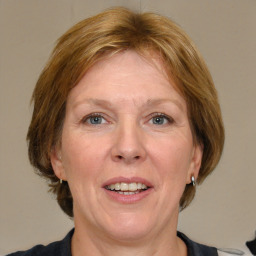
x=160, y=119
x=94, y=119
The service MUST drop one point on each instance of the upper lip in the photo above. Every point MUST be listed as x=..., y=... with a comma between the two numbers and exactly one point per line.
x=127, y=180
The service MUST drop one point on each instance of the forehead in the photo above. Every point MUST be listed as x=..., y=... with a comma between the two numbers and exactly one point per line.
x=127, y=61
x=126, y=74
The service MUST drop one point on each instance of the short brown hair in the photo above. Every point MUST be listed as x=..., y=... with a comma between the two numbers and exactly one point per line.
x=113, y=31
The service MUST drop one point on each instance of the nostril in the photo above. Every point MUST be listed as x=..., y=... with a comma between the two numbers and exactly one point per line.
x=120, y=157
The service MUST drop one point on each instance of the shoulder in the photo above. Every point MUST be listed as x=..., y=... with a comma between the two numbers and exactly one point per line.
x=38, y=250
x=62, y=248
x=196, y=249
x=230, y=251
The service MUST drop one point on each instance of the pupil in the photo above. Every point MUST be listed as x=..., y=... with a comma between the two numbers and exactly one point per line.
x=96, y=120
x=158, y=120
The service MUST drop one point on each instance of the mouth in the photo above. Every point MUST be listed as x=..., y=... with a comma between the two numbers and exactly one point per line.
x=128, y=190
x=125, y=188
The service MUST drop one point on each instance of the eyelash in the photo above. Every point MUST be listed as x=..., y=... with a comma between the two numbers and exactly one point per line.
x=151, y=116
x=93, y=115
x=162, y=115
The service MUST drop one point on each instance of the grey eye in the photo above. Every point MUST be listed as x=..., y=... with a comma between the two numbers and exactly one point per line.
x=95, y=120
x=158, y=120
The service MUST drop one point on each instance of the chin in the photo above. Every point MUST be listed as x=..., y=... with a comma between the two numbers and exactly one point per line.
x=130, y=229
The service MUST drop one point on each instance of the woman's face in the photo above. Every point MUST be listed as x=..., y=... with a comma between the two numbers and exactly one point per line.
x=127, y=150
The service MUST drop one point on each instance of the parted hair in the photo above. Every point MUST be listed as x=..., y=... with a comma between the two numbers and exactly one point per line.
x=110, y=32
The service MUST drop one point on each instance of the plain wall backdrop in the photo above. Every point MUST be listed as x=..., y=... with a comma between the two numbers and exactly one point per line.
x=223, y=212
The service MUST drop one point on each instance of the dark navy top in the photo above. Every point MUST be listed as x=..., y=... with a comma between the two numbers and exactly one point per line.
x=63, y=248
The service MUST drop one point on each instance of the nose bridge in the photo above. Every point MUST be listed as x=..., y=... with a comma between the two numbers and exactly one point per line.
x=128, y=146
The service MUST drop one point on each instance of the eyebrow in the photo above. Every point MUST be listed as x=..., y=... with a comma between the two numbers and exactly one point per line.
x=155, y=102
x=92, y=101
x=108, y=104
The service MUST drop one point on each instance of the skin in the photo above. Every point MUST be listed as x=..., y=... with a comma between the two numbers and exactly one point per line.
x=130, y=137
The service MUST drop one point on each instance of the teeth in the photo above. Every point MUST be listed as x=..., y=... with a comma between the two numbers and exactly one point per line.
x=143, y=186
x=117, y=186
x=127, y=187
x=124, y=186
x=127, y=193
x=133, y=187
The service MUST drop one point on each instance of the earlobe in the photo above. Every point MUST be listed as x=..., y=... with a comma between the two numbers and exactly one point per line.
x=57, y=164
x=195, y=162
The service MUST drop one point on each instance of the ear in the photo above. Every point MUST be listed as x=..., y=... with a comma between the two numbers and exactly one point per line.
x=57, y=164
x=196, y=161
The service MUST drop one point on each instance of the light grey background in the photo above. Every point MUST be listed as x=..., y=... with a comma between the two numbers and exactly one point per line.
x=223, y=213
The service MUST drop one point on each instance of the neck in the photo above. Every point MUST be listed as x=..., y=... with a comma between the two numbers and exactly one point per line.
x=85, y=243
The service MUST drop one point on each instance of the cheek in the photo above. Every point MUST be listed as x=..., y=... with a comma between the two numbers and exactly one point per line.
x=172, y=158
x=82, y=166
x=81, y=156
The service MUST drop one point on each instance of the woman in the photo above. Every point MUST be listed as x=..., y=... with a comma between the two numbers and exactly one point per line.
x=126, y=121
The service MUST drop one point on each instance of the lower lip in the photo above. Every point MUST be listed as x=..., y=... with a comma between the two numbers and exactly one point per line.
x=128, y=199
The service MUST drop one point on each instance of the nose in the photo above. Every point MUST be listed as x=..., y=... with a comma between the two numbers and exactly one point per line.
x=128, y=146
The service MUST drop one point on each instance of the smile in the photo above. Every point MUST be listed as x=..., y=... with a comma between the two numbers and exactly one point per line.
x=127, y=188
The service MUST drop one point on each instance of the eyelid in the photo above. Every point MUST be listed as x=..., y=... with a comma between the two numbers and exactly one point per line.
x=102, y=115
x=161, y=114
x=95, y=114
